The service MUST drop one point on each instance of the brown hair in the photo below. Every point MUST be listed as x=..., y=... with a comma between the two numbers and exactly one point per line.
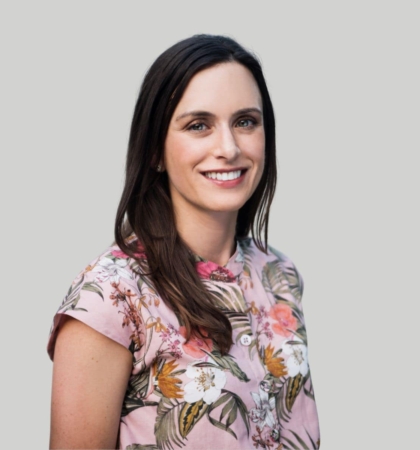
x=146, y=208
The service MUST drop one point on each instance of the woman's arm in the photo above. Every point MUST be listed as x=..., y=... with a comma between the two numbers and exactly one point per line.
x=90, y=377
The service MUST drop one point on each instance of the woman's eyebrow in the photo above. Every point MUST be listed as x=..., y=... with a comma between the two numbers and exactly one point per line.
x=248, y=110
x=209, y=114
x=194, y=114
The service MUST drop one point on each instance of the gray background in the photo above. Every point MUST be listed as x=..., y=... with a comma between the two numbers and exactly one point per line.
x=344, y=79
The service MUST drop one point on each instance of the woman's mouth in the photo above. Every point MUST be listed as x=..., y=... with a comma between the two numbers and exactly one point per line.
x=227, y=179
x=224, y=176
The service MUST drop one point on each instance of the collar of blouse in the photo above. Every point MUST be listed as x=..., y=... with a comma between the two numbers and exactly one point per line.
x=209, y=270
x=228, y=273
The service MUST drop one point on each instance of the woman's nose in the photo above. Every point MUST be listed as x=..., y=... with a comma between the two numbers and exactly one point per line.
x=226, y=145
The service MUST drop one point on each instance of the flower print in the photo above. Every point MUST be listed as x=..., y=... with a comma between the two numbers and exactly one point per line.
x=140, y=254
x=176, y=353
x=130, y=312
x=195, y=346
x=207, y=382
x=245, y=280
x=253, y=309
x=108, y=269
x=266, y=330
x=261, y=314
x=264, y=441
x=174, y=346
x=168, y=384
x=298, y=357
x=262, y=414
x=286, y=322
x=275, y=365
x=263, y=327
x=212, y=271
x=119, y=254
x=157, y=324
x=165, y=335
x=172, y=329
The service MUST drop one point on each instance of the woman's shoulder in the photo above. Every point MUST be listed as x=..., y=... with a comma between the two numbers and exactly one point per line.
x=113, y=264
x=101, y=295
x=249, y=248
x=272, y=265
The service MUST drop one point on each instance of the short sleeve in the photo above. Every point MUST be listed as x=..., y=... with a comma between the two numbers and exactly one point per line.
x=101, y=296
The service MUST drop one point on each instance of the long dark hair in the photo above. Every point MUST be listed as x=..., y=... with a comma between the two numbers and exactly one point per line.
x=146, y=209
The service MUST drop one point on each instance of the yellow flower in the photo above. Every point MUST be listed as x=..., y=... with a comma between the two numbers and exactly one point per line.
x=254, y=310
x=158, y=325
x=168, y=384
x=274, y=364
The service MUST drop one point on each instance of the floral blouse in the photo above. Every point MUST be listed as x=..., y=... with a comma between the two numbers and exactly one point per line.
x=186, y=394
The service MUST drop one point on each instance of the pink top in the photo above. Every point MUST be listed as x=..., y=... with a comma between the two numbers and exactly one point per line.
x=182, y=394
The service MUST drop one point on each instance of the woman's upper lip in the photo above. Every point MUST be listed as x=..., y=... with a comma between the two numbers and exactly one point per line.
x=230, y=169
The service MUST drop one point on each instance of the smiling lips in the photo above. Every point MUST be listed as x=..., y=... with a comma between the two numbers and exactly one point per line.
x=223, y=176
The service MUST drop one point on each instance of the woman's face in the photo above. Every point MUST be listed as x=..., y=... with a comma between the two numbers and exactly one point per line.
x=215, y=146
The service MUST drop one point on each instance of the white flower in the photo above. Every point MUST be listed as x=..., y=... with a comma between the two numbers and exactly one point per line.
x=111, y=270
x=262, y=415
x=298, y=357
x=207, y=382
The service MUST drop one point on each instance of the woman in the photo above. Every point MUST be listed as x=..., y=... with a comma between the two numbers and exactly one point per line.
x=189, y=332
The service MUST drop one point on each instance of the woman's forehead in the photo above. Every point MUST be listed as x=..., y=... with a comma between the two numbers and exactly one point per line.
x=220, y=89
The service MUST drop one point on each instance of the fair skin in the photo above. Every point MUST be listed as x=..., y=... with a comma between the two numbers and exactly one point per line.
x=90, y=376
x=91, y=371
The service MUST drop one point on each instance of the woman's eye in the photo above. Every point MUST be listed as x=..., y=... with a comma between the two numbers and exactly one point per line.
x=199, y=126
x=245, y=123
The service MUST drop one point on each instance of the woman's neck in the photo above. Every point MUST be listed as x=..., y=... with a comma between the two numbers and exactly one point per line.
x=210, y=235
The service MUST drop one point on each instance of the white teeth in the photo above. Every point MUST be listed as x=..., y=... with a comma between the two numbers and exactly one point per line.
x=223, y=175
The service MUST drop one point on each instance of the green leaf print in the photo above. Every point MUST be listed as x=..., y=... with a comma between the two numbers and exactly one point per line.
x=137, y=390
x=227, y=362
x=280, y=398
x=248, y=253
x=165, y=427
x=132, y=403
x=139, y=383
x=301, y=334
x=292, y=445
x=73, y=295
x=227, y=298
x=273, y=279
x=143, y=280
x=229, y=413
x=314, y=445
x=240, y=323
x=293, y=276
x=301, y=442
x=93, y=287
x=141, y=447
x=232, y=303
x=275, y=282
x=295, y=282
